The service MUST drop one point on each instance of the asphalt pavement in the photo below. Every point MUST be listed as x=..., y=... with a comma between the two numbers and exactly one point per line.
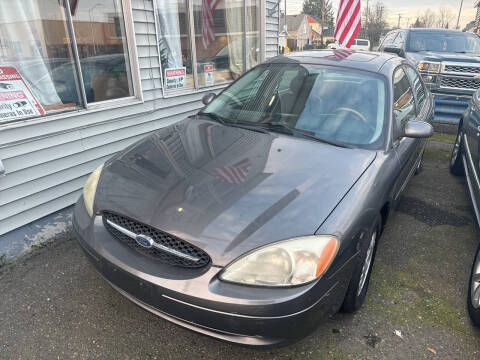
x=54, y=306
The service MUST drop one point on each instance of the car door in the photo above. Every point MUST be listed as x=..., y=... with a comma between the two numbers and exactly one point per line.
x=404, y=110
x=472, y=134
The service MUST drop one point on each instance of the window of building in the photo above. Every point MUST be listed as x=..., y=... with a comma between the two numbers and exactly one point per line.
x=223, y=34
x=44, y=71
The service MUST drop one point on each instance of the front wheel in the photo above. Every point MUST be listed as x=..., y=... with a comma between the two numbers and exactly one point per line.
x=456, y=163
x=473, y=302
x=357, y=289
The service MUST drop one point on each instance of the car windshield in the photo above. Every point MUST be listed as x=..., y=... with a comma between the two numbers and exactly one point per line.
x=443, y=42
x=331, y=103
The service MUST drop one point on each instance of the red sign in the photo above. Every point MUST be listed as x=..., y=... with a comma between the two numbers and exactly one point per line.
x=208, y=68
x=16, y=99
x=175, y=72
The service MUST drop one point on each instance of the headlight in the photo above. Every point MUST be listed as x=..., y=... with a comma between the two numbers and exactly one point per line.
x=429, y=66
x=285, y=263
x=90, y=188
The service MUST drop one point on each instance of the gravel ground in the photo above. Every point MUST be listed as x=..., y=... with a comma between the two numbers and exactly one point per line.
x=54, y=306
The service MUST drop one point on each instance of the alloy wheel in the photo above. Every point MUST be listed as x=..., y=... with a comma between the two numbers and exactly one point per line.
x=475, y=285
x=367, y=263
x=456, y=148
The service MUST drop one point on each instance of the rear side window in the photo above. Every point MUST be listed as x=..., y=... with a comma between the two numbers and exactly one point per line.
x=417, y=87
x=403, y=100
x=400, y=40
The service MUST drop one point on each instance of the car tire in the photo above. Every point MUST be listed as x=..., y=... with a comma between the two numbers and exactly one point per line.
x=358, y=286
x=473, y=301
x=456, y=163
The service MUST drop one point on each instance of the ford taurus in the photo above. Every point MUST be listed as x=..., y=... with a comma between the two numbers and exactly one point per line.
x=259, y=216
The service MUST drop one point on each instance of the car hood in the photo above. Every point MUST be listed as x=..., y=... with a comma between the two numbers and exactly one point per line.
x=228, y=190
x=443, y=56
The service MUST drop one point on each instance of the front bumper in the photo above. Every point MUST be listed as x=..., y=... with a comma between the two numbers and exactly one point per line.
x=197, y=300
x=449, y=107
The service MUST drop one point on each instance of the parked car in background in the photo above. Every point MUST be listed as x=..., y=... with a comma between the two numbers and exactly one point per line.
x=358, y=44
x=260, y=216
x=464, y=161
x=449, y=61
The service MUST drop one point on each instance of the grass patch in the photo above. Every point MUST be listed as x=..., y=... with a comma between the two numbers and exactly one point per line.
x=439, y=155
x=4, y=261
x=399, y=296
x=444, y=138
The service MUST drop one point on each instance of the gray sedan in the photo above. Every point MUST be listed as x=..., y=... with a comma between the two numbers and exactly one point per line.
x=258, y=217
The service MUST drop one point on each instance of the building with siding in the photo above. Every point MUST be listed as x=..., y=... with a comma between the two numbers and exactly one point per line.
x=98, y=76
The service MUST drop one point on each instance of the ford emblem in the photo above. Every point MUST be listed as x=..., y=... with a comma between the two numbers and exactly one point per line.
x=144, y=240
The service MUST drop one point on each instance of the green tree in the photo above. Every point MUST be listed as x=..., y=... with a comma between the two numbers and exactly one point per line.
x=314, y=8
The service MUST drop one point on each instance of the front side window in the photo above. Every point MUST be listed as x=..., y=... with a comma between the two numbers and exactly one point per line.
x=403, y=100
x=443, y=41
x=224, y=34
x=40, y=71
x=345, y=106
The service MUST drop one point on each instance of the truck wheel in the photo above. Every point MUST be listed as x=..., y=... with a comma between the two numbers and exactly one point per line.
x=357, y=289
x=473, y=301
x=456, y=163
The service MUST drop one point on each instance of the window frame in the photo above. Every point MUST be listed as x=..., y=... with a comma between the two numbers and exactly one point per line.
x=86, y=107
x=132, y=60
x=418, y=109
x=191, y=33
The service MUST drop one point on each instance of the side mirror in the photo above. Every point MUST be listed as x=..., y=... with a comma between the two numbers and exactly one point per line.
x=208, y=98
x=394, y=50
x=418, y=129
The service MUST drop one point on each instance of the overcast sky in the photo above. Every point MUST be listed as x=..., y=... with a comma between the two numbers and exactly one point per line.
x=408, y=9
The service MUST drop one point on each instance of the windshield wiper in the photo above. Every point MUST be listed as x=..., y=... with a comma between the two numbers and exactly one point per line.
x=305, y=133
x=224, y=121
x=214, y=116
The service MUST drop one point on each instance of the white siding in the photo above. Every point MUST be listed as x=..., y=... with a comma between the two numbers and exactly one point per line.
x=47, y=160
x=271, y=28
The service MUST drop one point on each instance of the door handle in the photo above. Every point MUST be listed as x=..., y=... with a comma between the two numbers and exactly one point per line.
x=2, y=169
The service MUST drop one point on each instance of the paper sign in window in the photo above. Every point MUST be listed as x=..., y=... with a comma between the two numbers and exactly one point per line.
x=175, y=78
x=16, y=99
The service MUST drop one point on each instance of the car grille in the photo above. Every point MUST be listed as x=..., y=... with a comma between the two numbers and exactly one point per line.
x=160, y=237
x=461, y=83
x=462, y=69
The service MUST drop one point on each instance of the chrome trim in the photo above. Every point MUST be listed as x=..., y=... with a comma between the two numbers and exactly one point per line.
x=470, y=159
x=132, y=235
x=470, y=188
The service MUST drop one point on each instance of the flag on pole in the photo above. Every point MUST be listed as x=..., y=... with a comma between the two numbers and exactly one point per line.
x=349, y=21
x=208, y=26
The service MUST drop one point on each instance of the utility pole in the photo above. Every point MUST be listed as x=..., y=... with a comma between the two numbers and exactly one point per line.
x=323, y=21
x=399, y=17
x=459, y=13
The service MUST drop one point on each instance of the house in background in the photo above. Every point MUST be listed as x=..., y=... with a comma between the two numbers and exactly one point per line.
x=298, y=31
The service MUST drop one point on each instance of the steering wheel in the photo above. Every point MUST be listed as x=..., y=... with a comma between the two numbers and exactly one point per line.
x=233, y=97
x=357, y=114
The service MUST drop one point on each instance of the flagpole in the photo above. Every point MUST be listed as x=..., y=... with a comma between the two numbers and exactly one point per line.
x=323, y=21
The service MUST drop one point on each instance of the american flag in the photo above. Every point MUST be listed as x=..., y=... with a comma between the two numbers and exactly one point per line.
x=234, y=174
x=339, y=54
x=208, y=29
x=349, y=21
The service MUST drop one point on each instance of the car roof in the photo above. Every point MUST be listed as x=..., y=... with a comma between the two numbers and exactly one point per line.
x=361, y=60
x=432, y=30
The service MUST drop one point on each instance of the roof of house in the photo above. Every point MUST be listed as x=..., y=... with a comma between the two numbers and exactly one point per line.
x=293, y=21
